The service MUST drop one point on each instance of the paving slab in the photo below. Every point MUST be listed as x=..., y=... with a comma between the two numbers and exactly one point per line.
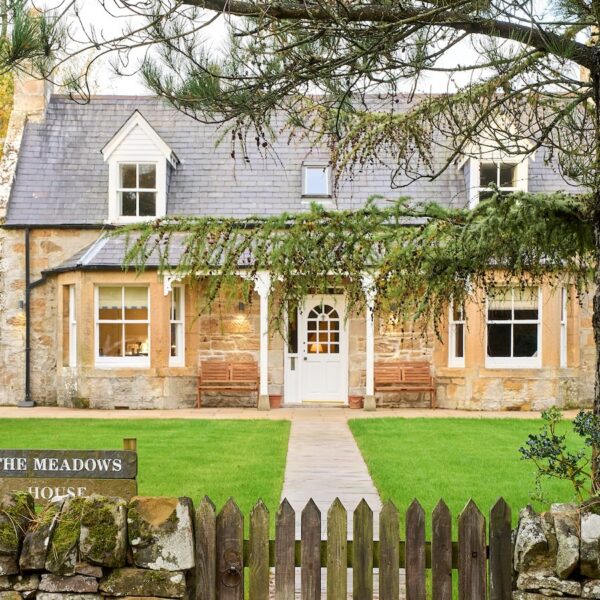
x=296, y=413
x=324, y=463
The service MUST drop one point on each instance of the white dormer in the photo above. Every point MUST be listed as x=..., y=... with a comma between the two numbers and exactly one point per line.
x=484, y=164
x=138, y=160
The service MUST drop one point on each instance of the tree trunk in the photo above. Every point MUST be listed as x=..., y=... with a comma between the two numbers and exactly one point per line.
x=595, y=77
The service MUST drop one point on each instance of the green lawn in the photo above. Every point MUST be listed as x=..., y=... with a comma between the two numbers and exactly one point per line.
x=243, y=459
x=453, y=459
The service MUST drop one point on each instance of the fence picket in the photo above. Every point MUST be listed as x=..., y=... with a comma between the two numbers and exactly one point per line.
x=441, y=552
x=500, y=551
x=389, y=552
x=206, y=550
x=230, y=553
x=415, y=552
x=362, y=553
x=471, y=554
x=337, y=552
x=285, y=536
x=311, y=552
x=259, y=552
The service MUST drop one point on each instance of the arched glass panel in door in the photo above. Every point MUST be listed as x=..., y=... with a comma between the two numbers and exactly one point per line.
x=323, y=330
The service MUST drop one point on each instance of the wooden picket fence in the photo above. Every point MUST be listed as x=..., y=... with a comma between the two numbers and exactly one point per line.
x=222, y=553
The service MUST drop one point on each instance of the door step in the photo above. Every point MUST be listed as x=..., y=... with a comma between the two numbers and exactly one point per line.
x=323, y=404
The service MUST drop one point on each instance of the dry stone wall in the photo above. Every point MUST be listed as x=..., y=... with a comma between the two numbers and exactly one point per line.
x=557, y=553
x=96, y=547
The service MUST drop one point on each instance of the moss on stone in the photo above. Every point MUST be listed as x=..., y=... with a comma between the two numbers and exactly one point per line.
x=66, y=533
x=15, y=514
x=138, y=528
x=102, y=528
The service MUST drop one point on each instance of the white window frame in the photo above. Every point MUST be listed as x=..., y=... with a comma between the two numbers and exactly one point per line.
x=515, y=362
x=114, y=189
x=137, y=189
x=564, y=297
x=453, y=360
x=323, y=167
x=522, y=174
x=108, y=362
x=179, y=359
x=498, y=164
x=71, y=325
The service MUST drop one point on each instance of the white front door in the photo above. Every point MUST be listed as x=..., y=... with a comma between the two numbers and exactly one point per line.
x=323, y=350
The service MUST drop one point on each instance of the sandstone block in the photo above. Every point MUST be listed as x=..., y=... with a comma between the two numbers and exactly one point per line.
x=10, y=595
x=8, y=565
x=566, y=527
x=591, y=589
x=103, y=537
x=141, y=582
x=531, y=545
x=589, y=547
x=35, y=543
x=25, y=583
x=62, y=596
x=61, y=557
x=520, y=595
x=160, y=532
x=533, y=582
x=79, y=584
x=90, y=570
x=16, y=510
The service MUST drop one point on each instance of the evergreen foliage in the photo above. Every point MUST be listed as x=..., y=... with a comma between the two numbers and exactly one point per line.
x=419, y=257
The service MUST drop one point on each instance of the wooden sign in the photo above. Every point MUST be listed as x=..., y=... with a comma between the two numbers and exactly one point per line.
x=47, y=474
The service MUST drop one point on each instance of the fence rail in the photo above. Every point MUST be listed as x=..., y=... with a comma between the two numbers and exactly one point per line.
x=483, y=563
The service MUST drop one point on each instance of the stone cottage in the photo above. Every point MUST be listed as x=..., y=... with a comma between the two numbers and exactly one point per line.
x=77, y=330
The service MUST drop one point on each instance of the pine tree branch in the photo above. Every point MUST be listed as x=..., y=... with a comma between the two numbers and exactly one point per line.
x=545, y=41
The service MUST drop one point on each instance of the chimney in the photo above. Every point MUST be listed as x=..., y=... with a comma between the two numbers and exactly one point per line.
x=31, y=96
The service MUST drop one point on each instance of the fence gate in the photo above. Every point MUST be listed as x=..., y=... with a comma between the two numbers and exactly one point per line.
x=230, y=567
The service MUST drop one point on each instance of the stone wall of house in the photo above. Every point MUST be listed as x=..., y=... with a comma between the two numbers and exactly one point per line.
x=96, y=547
x=475, y=387
x=557, y=553
x=231, y=332
x=48, y=249
x=393, y=341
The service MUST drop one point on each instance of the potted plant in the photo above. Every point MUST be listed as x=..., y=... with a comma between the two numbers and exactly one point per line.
x=275, y=400
x=355, y=402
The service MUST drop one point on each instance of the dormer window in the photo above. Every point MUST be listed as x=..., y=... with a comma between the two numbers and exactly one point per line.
x=502, y=175
x=507, y=173
x=137, y=189
x=316, y=181
x=139, y=165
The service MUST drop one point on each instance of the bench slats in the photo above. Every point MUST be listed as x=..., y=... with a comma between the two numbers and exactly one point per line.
x=398, y=376
x=218, y=375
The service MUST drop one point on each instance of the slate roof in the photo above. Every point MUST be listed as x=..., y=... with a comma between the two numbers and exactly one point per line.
x=109, y=253
x=62, y=180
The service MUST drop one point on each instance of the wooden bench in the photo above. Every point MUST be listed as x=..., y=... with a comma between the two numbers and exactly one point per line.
x=220, y=375
x=405, y=376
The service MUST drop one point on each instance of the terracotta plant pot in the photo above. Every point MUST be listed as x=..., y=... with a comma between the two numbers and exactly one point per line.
x=355, y=401
x=275, y=401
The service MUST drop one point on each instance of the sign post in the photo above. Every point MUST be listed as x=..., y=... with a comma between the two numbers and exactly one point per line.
x=47, y=474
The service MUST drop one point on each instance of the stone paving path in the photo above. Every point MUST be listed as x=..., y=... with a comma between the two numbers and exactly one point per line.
x=323, y=463
x=299, y=413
